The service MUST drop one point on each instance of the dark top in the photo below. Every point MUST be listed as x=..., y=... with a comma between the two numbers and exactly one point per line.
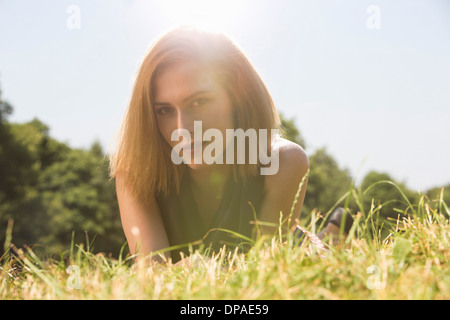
x=184, y=224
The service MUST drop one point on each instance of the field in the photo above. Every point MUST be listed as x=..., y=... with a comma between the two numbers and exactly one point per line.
x=411, y=262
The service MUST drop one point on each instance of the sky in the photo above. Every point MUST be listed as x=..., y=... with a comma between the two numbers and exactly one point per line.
x=367, y=80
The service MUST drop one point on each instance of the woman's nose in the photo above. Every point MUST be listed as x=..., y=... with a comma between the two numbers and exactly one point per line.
x=185, y=121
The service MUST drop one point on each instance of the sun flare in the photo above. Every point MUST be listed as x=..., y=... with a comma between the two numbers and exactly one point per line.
x=209, y=15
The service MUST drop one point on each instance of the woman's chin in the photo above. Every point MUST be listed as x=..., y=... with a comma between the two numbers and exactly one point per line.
x=202, y=166
x=194, y=166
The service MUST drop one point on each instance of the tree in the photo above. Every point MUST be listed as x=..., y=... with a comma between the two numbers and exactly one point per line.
x=434, y=194
x=327, y=181
x=79, y=197
x=387, y=197
x=51, y=190
x=290, y=132
x=5, y=109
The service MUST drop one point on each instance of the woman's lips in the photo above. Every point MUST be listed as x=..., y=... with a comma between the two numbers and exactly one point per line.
x=193, y=146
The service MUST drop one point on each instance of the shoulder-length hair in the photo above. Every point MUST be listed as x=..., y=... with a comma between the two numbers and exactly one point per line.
x=142, y=157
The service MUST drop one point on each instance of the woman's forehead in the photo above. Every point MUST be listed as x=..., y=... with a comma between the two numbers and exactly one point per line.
x=179, y=80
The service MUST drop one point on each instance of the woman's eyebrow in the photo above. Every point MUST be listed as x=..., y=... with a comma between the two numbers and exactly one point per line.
x=157, y=103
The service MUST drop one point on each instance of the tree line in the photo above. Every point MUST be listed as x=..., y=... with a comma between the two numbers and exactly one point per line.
x=54, y=195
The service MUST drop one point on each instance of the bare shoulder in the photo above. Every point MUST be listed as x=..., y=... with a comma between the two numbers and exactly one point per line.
x=293, y=165
x=282, y=188
x=291, y=153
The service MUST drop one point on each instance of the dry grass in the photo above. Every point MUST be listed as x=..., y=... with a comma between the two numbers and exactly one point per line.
x=413, y=262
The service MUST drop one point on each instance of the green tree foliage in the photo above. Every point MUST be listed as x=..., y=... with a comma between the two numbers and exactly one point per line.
x=5, y=109
x=327, y=181
x=51, y=190
x=14, y=158
x=24, y=163
x=391, y=199
x=78, y=196
x=290, y=131
x=434, y=194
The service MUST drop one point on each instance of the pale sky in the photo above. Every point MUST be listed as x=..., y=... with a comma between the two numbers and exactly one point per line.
x=368, y=80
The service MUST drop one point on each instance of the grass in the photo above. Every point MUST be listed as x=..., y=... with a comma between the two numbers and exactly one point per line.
x=411, y=262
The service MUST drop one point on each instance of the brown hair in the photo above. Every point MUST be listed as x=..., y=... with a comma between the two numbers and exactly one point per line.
x=142, y=157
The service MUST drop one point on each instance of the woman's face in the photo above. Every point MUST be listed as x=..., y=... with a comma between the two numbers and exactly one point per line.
x=184, y=93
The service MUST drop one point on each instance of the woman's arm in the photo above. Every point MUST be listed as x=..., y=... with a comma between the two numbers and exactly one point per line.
x=143, y=227
x=281, y=188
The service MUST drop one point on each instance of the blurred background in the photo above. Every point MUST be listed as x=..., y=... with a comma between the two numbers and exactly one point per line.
x=363, y=86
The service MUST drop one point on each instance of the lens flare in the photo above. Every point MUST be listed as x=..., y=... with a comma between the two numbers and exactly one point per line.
x=210, y=15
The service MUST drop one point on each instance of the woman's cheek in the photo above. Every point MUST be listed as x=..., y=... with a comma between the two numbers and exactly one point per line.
x=165, y=131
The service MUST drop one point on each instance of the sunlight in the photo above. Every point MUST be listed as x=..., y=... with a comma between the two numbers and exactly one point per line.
x=212, y=15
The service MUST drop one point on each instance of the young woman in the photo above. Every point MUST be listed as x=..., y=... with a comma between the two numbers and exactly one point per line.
x=190, y=80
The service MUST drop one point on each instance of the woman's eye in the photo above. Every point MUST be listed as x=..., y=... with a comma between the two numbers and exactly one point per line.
x=164, y=111
x=199, y=102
